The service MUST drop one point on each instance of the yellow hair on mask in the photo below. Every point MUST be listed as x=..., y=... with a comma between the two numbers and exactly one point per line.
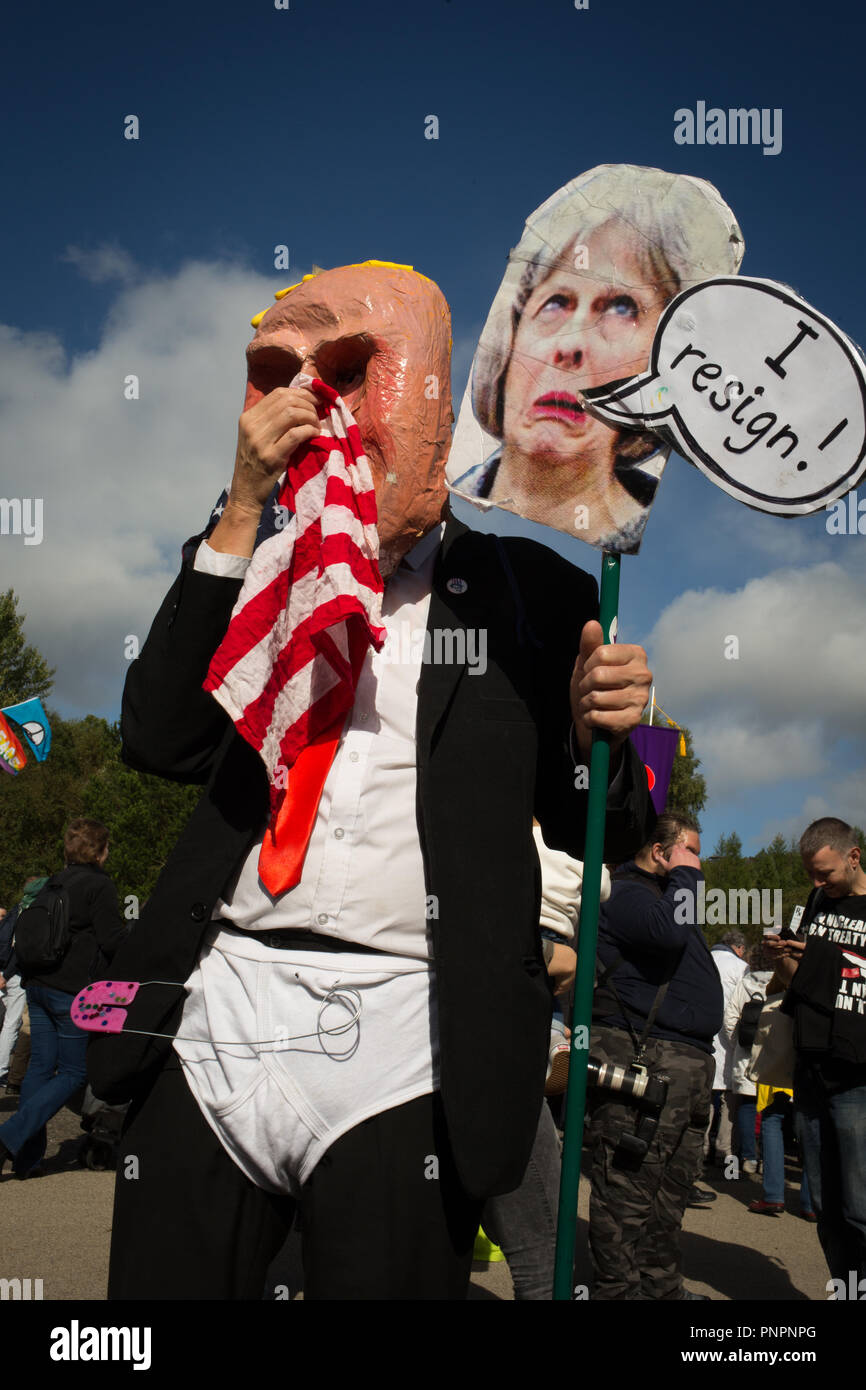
x=281, y=294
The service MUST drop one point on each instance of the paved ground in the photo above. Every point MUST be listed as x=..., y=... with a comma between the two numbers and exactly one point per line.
x=728, y=1252
x=57, y=1227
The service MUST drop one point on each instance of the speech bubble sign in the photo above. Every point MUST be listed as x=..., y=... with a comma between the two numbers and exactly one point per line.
x=764, y=394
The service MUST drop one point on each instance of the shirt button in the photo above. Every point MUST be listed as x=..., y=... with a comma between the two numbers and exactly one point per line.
x=353, y=757
x=338, y=834
x=364, y=718
x=198, y=912
x=322, y=919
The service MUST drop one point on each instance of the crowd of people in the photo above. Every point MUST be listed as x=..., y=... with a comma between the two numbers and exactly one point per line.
x=666, y=1006
x=688, y=1018
x=59, y=937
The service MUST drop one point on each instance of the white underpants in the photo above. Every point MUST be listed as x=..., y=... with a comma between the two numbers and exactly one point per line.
x=277, y=1106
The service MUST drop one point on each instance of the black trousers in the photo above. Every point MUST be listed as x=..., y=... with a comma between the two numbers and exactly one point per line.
x=384, y=1215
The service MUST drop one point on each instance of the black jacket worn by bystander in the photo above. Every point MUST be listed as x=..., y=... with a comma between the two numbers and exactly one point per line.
x=644, y=921
x=96, y=926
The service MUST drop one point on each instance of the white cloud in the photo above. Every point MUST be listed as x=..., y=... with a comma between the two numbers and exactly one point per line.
x=736, y=757
x=124, y=482
x=101, y=264
x=798, y=634
x=741, y=531
x=842, y=796
x=777, y=711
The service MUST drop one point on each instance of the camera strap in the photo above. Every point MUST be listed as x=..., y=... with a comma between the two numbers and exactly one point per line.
x=641, y=1042
x=605, y=977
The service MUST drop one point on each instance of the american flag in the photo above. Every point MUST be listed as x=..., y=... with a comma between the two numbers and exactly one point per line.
x=311, y=601
x=275, y=518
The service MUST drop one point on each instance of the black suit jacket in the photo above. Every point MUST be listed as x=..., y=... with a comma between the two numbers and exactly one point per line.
x=492, y=750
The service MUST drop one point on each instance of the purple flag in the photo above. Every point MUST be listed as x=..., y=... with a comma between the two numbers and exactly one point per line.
x=656, y=749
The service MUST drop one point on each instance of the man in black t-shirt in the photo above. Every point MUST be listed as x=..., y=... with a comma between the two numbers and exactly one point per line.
x=826, y=972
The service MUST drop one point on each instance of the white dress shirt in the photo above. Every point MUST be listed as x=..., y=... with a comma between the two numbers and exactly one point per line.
x=362, y=881
x=363, y=875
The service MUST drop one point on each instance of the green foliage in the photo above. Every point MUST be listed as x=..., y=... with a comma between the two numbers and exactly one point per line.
x=83, y=776
x=777, y=868
x=145, y=815
x=35, y=805
x=23, y=672
x=688, y=789
x=780, y=866
x=729, y=851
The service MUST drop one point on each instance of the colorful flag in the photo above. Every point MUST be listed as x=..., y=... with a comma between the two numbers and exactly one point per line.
x=656, y=749
x=31, y=721
x=12, y=755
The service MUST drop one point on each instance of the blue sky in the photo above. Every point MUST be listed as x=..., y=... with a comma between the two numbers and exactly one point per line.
x=305, y=126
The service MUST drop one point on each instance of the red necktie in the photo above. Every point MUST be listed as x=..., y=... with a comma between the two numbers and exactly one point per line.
x=284, y=848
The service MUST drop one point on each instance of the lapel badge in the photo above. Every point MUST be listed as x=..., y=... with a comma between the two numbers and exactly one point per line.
x=456, y=586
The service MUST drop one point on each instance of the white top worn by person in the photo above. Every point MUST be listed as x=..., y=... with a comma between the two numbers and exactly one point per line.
x=751, y=985
x=728, y=960
x=561, y=884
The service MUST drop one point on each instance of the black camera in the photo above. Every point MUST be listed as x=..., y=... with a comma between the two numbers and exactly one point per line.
x=634, y=1083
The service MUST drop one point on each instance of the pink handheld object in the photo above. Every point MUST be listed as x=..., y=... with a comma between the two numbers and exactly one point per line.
x=99, y=1007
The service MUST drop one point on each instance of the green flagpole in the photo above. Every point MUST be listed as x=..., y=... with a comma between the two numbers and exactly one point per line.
x=575, y=1101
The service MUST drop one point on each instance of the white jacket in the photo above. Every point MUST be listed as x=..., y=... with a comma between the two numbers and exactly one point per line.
x=751, y=986
x=731, y=969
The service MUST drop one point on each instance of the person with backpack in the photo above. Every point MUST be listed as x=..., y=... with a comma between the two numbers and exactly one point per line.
x=63, y=940
x=772, y=1103
x=739, y=1026
x=729, y=959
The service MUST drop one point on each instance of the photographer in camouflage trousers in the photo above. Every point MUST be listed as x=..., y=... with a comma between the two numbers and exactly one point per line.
x=657, y=1008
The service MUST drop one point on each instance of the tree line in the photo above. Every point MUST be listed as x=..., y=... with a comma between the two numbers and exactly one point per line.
x=775, y=870
x=84, y=776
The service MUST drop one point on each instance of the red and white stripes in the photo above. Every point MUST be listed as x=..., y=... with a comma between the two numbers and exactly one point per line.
x=311, y=602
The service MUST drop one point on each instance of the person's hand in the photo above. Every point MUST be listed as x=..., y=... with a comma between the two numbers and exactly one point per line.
x=681, y=855
x=785, y=953
x=609, y=687
x=779, y=946
x=563, y=964
x=2, y=982
x=269, y=432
